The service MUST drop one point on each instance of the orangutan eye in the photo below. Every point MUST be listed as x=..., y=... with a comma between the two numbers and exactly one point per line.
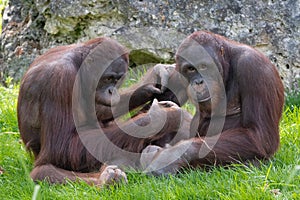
x=203, y=67
x=109, y=79
x=191, y=69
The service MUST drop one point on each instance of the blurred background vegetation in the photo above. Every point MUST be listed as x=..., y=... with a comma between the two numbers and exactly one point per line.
x=3, y=3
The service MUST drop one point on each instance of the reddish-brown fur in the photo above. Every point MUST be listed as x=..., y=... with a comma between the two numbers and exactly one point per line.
x=255, y=98
x=46, y=120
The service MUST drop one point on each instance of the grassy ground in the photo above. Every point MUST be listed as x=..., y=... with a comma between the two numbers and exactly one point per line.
x=277, y=179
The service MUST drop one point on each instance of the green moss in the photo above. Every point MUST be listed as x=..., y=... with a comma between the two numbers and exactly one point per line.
x=139, y=57
x=3, y=3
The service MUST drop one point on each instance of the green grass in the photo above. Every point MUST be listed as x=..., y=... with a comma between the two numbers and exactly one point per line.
x=292, y=99
x=8, y=102
x=277, y=179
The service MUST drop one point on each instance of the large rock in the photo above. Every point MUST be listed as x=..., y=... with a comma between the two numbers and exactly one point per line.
x=151, y=29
